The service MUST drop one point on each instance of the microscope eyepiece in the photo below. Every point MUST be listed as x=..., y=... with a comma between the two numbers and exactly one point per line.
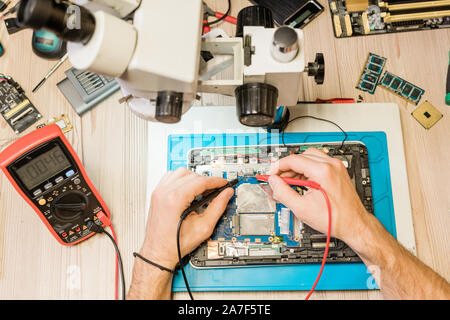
x=69, y=21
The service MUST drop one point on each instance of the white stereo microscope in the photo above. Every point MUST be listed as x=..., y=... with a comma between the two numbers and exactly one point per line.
x=162, y=62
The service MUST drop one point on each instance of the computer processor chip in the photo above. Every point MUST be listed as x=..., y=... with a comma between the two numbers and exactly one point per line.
x=427, y=115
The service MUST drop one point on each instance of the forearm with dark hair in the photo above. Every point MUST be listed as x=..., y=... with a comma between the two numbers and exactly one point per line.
x=398, y=273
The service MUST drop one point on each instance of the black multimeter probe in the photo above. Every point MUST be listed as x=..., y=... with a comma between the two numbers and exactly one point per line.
x=195, y=205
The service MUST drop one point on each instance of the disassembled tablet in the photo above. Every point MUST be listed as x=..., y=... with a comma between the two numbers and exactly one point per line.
x=402, y=88
x=368, y=17
x=371, y=73
x=257, y=230
x=15, y=107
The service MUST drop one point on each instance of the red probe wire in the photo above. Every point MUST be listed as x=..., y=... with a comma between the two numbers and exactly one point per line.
x=314, y=185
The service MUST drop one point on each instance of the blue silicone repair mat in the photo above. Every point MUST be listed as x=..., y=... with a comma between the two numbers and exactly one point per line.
x=345, y=276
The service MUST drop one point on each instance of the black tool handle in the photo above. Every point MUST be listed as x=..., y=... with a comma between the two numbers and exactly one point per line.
x=196, y=204
x=448, y=80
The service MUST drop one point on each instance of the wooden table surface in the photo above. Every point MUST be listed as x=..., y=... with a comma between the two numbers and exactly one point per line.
x=112, y=142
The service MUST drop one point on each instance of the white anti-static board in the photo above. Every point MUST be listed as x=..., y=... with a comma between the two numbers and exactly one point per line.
x=351, y=117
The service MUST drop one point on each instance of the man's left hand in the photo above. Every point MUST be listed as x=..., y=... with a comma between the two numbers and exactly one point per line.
x=172, y=196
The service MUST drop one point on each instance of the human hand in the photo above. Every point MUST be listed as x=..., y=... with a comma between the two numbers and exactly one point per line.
x=171, y=197
x=348, y=213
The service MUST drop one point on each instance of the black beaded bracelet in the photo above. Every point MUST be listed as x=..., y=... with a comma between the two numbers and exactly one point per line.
x=135, y=254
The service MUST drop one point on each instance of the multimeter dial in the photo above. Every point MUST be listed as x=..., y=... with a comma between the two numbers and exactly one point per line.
x=69, y=206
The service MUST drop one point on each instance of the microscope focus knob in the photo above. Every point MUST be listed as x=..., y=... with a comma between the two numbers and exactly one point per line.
x=257, y=16
x=169, y=106
x=316, y=69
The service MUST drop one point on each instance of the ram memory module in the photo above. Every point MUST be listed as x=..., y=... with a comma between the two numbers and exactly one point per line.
x=401, y=87
x=371, y=73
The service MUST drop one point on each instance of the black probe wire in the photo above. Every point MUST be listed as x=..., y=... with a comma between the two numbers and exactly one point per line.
x=195, y=205
x=315, y=118
x=222, y=17
x=180, y=260
x=122, y=276
x=92, y=226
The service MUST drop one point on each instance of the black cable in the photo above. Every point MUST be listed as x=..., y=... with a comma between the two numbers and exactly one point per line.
x=180, y=260
x=222, y=17
x=122, y=276
x=92, y=226
x=195, y=205
x=315, y=118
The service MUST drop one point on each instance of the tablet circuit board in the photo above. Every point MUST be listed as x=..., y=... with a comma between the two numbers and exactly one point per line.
x=256, y=229
x=368, y=17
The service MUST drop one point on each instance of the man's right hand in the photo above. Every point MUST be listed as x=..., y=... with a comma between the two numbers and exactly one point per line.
x=398, y=273
x=348, y=213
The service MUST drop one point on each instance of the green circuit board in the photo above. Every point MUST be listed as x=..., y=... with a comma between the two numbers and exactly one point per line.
x=371, y=73
x=401, y=87
x=256, y=229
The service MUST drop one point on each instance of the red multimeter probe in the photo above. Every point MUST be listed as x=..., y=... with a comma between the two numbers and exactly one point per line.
x=45, y=170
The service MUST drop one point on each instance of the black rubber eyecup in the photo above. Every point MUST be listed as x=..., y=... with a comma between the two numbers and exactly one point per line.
x=256, y=104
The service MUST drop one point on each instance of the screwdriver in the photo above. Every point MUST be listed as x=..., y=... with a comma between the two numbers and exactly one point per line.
x=56, y=66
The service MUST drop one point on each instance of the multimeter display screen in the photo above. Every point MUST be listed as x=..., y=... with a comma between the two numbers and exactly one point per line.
x=43, y=167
